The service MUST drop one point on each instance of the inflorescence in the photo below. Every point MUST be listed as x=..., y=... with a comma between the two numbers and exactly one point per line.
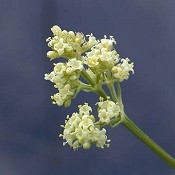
x=99, y=64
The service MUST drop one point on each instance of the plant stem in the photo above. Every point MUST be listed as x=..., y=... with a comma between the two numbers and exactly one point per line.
x=119, y=91
x=112, y=91
x=99, y=91
x=148, y=141
x=129, y=124
x=87, y=78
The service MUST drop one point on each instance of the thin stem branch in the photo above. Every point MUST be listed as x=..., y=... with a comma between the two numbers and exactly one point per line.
x=120, y=96
x=99, y=91
x=148, y=141
x=131, y=126
x=86, y=76
x=112, y=91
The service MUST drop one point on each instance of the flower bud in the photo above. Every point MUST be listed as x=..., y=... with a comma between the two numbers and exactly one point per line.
x=86, y=145
x=52, y=55
x=56, y=30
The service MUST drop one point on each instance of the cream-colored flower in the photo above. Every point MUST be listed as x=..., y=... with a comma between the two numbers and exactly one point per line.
x=75, y=64
x=126, y=65
x=59, y=69
x=99, y=64
x=56, y=30
x=107, y=110
x=84, y=109
x=121, y=71
x=65, y=77
x=68, y=44
x=102, y=56
x=92, y=41
x=102, y=139
x=81, y=131
x=106, y=43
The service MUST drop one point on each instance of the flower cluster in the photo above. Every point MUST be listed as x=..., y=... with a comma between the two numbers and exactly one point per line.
x=90, y=64
x=121, y=71
x=80, y=130
x=65, y=76
x=107, y=110
x=102, y=56
x=68, y=44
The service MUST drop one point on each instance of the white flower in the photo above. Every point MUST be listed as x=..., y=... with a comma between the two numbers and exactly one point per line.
x=102, y=56
x=103, y=116
x=109, y=57
x=60, y=47
x=81, y=131
x=56, y=30
x=92, y=40
x=126, y=65
x=66, y=91
x=57, y=99
x=106, y=43
x=64, y=94
x=93, y=62
x=84, y=109
x=59, y=69
x=102, y=139
x=121, y=71
x=49, y=76
x=65, y=77
x=68, y=43
x=107, y=110
x=79, y=39
x=75, y=64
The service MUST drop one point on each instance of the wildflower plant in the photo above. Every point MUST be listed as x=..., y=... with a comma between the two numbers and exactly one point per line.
x=89, y=65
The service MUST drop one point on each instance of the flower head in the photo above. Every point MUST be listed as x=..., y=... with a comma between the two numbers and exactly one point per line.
x=121, y=71
x=107, y=110
x=65, y=77
x=99, y=56
x=102, y=56
x=68, y=44
x=80, y=130
x=89, y=64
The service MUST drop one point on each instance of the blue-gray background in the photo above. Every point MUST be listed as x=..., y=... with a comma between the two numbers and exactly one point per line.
x=29, y=123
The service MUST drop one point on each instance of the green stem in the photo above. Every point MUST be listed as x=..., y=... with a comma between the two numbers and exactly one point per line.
x=85, y=87
x=129, y=124
x=112, y=91
x=149, y=142
x=120, y=96
x=99, y=91
x=87, y=78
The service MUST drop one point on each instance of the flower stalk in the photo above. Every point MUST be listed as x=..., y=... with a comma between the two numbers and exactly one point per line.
x=99, y=91
x=131, y=126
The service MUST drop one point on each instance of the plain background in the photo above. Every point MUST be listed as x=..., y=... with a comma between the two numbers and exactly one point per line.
x=29, y=123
